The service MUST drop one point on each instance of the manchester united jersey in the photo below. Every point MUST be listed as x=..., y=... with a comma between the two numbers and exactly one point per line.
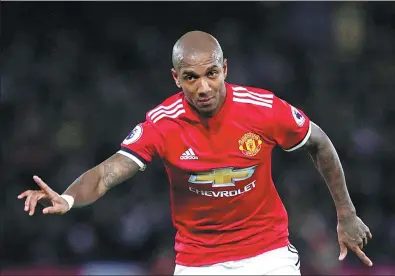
x=224, y=204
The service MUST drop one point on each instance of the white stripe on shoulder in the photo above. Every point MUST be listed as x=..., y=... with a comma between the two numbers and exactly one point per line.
x=239, y=88
x=252, y=96
x=165, y=107
x=171, y=111
x=249, y=97
x=166, y=112
x=162, y=115
x=249, y=101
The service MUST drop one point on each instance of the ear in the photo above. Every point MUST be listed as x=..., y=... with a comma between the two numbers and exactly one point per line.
x=175, y=77
x=225, y=68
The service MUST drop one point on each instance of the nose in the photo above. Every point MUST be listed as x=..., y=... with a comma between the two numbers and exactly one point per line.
x=204, y=88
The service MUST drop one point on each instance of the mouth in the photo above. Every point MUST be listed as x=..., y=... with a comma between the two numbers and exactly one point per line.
x=206, y=100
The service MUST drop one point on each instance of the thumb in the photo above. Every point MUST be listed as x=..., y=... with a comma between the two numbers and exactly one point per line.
x=343, y=251
x=53, y=210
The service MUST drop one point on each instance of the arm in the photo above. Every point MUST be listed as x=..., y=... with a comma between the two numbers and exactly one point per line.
x=293, y=130
x=94, y=183
x=327, y=161
x=89, y=187
x=352, y=232
x=136, y=151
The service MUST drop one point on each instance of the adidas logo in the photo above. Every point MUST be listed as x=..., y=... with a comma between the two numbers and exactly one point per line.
x=188, y=155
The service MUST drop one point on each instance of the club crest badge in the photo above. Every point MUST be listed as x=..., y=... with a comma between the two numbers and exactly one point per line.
x=250, y=144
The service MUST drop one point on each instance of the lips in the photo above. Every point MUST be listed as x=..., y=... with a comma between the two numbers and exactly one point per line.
x=205, y=100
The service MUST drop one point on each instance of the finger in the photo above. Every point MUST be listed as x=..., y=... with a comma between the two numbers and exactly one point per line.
x=363, y=257
x=365, y=241
x=33, y=203
x=44, y=186
x=362, y=241
x=27, y=201
x=343, y=251
x=369, y=234
x=24, y=194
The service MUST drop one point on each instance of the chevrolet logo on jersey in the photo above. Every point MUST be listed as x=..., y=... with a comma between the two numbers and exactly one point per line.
x=225, y=177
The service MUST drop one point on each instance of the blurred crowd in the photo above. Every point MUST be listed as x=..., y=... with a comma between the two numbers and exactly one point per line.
x=77, y=77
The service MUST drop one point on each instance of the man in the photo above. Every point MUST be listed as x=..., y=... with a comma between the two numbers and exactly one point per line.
x=215, y=140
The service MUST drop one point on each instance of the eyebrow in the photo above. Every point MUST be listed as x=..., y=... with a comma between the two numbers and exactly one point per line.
x=190, y=72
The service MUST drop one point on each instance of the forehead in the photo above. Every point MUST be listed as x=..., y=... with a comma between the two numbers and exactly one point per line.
x=199, y=62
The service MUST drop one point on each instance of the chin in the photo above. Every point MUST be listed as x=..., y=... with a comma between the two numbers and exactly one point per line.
x=206, y=110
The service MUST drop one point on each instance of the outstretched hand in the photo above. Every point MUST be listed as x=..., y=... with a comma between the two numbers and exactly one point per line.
x=353, y=234
x=59, y=205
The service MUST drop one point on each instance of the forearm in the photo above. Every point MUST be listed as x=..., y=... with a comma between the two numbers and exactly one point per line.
x=85, y=189
x=94, y=183
x=328, y=164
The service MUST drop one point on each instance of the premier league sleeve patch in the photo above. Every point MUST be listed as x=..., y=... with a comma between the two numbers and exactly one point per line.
x=298, y=117
x=134, y=135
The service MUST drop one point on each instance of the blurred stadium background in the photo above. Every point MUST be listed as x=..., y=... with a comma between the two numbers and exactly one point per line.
x=77, y=77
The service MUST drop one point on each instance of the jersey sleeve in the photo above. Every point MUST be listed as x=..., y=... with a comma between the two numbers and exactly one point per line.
x=291, y=126
x=142, y=144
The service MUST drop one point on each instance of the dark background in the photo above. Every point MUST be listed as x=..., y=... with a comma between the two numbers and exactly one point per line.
x=77, y=77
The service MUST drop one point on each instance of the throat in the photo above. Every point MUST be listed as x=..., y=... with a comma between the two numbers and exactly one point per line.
x=207, y=115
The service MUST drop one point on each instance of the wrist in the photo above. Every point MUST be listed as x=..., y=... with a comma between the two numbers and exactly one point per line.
x=346, y=212
x=69, y=199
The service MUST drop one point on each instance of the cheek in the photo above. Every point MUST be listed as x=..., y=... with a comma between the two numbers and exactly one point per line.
x=216, y=86
x=190, y=90
x=188, y=94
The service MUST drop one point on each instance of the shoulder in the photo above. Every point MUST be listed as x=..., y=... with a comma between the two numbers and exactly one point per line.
x=170, y=108
x=246, y=88
x=255, y=99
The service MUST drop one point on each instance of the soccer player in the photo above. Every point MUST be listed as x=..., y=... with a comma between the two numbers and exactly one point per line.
x=216, y=141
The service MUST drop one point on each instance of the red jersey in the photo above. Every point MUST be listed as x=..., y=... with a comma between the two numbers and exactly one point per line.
x=224, y=204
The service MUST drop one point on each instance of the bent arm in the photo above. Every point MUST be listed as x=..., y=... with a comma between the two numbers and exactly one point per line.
x=327, y=161
x=94, y=183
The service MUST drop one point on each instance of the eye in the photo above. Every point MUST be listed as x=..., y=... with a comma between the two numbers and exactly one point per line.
x=212, y=74
x=189, y=78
